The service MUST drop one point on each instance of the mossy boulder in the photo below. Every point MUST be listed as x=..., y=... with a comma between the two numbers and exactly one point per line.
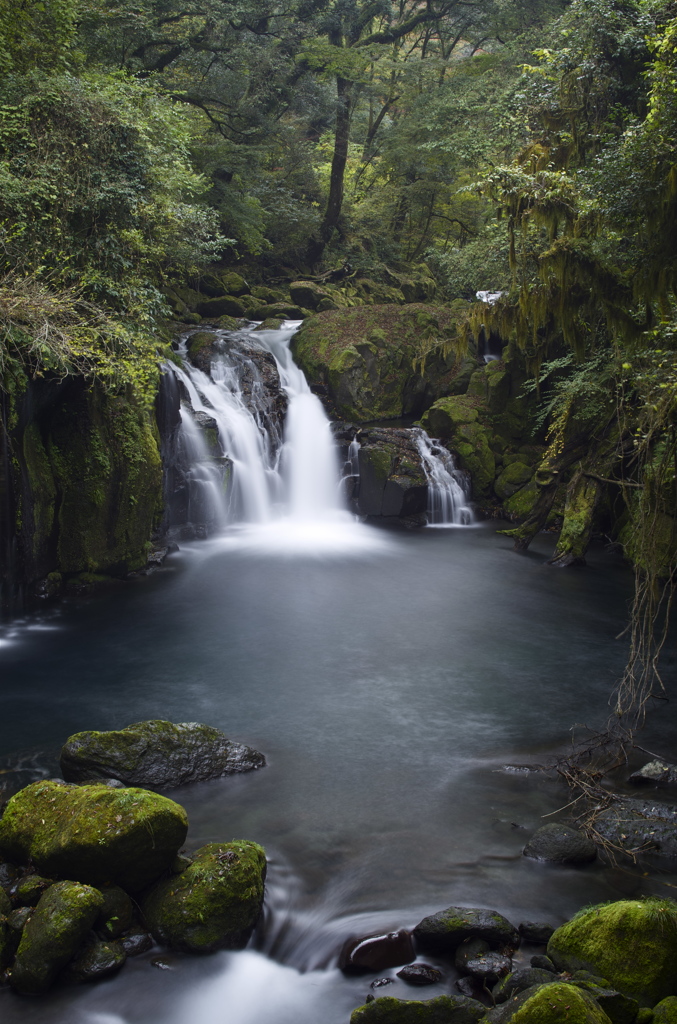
x=156, y=753
x=665, y=1012
x=53, y=934
x=26, y=891
x=370, y=358
x=278, y=311
x=447, y=414
x=445, y=931
x=228, y=323
x=307, y=294
x=214, y=903
x=631, y=943
x=212, y=309
x=512, y=479
x=557, y=1003
x=518, y=981
x=392, y=480
x=441, y=1010
x=202, y=348
x=269, y=296
x=271, y=324
x=234, y=284
x=94, y=833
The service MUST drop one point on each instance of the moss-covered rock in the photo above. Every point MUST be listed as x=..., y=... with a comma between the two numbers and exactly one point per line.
x=443, y=418
x=512, y=479
x=8, y=942
x=53, y=934
x=156, y=753
x=234, y=284
x=392, y=480
x=93, y=833
x=202, y=348
x=214, y=903
x=559, y=1003
x=269, y=296
x=446, y=930
x=441, y=1010
x=371, y=358
x=271, y=324
x=632, y=943
x=26, y=891
x=307, y=294
x=665, y=1012
x=518, y=981
x=212, y=309
x=278, y=311
x=116, y=915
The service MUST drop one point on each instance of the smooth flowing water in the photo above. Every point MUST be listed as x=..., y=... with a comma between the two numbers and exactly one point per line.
x=388, y=678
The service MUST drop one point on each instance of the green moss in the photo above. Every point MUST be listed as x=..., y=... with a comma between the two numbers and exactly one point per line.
x=234, y=284
x=665, y=1012
x=93, y=833
x=514, y=476
x=43, y=493
x=633, y=943
x=442, y=419
x=559, y=1003
x=214, y=903
x=440, y=1010
x=8, y=940
x=53, y=934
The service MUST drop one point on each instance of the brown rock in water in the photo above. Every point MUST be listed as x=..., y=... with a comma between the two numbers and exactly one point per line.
x=376, y=952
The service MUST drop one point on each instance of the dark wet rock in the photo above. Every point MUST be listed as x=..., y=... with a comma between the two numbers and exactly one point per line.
x=441, y=1010
x=212, y=309
x=631, y=943
x=560, y=844
x=620, y=1009
x=9, y=941
x=117, y=913
x=518, y=981
x=420, y=974
x=27, y=891
x=488, y=969
x=135, y=943
x=392, y=481
x=157, y=558
x=468, y=986
x=180, y=863
x=277, y=311
x=213, y=904
x=640, y=826
x=8, y=876
x=260, y=382
x=655, y=773
x=447, y=929
x=5, y=904
x=468, y=950
x=93, y=833
x=203, y=347
x=53, y=935
x=162, y=963
x=376, y=952
x=382, y=982
x=535, y=932
x=156, y=754
x=17, y=919
x=544, y=963
x=95, y=961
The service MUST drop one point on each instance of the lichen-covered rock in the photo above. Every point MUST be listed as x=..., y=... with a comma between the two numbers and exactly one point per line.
x=376, y=952
x=631, y=943
x=557, y=1003
x=53, y=934
x=156, y=753
x=512, y=478
x=441, y=1010
x=93, y=833
x=392, y=481
x=26, y=891
x=447, y=929
x=213, y=904
x=117, y=913
x=560, y=844
x=369, y=358
x=654, y=773
x=665, y=1012
x=94, y=961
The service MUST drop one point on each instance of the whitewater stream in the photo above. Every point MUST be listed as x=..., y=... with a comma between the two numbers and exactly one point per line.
x=388, y=677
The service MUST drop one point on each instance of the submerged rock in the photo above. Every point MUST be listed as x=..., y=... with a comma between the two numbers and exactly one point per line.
x=447, y=929
x=53, y=934
x=93, y=833
x=640, y=826
x=631, y=943
x=376, y=952
x=213, y=904
x=441, y=1010
x=420, y=974
x=156, y=753
x=559, y=844
x=655, y=773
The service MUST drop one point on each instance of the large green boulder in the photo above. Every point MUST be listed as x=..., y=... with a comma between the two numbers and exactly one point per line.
x=445, y=931
x=212, y=309
x=157, y=754
x=307, y=294
x=94, y=833
x=665, y=1012
x=53, y=934
x=214, y=903
x=557, y=1003
x=512, y=478
x=234, y=284
x=380, y=361
x=631, y=943
x=441, y=1010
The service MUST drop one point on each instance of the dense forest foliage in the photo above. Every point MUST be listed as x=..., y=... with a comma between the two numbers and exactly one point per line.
x=526, y=148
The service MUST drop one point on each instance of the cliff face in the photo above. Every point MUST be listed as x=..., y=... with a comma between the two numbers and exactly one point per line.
x=80, y=484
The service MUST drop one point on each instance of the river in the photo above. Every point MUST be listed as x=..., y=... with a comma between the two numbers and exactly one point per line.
x=388, y=678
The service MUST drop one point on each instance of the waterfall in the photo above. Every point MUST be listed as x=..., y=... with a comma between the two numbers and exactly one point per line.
x=282, y=488
x=448, y=486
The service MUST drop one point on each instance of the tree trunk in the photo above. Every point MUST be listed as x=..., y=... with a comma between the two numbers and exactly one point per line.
x=582, y=499
x=338, y=170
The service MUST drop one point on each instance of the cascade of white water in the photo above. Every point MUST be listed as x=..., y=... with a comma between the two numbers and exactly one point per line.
x=448, y=491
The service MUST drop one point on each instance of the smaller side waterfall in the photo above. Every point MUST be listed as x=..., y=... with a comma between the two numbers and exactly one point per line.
x=448, y=486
